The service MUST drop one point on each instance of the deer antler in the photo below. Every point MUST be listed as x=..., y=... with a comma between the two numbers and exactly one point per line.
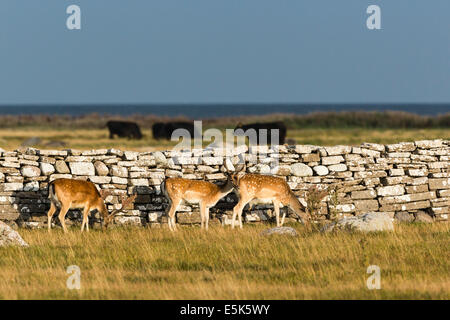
x=127, y=200
x=105, y=193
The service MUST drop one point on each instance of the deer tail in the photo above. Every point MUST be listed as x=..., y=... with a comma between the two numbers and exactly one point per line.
x=51, y=190
x=163, y=187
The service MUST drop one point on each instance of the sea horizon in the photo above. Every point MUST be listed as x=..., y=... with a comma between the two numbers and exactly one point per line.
x=217, y=110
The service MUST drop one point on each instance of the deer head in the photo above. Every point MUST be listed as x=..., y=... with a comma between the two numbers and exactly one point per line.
x=125, y=201
x=235, y=173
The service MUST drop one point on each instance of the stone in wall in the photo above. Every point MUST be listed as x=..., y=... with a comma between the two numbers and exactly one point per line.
x=82, y=168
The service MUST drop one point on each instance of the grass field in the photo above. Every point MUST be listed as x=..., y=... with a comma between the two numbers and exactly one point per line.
x=144, y=263
x=229, y=264
x=85, y=139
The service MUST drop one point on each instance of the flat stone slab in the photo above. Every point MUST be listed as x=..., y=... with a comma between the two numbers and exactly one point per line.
x=421, y=216
x=368, y=222
x=403, y=216
x=9, y=237
x=280, y=230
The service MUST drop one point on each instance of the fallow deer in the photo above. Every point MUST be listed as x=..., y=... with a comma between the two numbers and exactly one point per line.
x=66, y=194
x=264, y=188
x=205, y=193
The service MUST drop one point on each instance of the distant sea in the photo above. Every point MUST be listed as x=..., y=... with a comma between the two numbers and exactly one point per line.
x=202, y=111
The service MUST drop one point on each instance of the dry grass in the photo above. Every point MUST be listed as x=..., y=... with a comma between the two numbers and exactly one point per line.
x=12, y=138
x=228, y=264
x=356, y=136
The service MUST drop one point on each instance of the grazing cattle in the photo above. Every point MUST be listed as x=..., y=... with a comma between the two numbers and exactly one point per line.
x=268, y=126
x=124, y=129
x=164, y=130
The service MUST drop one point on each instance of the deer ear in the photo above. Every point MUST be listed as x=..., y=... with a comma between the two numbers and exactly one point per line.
x=105, y=194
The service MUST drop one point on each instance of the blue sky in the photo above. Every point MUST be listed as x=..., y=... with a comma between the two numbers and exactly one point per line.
x=224, y=51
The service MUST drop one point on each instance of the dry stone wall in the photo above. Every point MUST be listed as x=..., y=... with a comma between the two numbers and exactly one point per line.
x=401, y=179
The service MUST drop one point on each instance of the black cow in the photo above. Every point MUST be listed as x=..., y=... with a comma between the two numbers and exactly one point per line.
x=164, y=130
x=124, y=129
x=268, y=126
x=158, y=130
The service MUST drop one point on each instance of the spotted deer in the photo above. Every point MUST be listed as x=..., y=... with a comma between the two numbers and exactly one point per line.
x=206, y=194
x=65, y=194
x=264, y=188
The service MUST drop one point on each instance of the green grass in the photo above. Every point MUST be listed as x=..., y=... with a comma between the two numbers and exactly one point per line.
x=228, y=264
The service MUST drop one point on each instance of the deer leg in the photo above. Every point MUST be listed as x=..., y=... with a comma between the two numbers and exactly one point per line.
x=202, y=216
x=240, y=217
x=167, y=212
x=276, y=208
x=237, y=211
x=171, y=214
x=206, y=218
x=283, y=217
x=85, y=219
x=50, y=214
x=83, y=222
x=240, y=212
x=62, y=215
